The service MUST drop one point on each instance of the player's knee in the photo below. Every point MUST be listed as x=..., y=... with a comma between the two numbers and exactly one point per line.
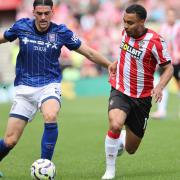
x=50, y=116
x=131, y=151
x=116, y=126
x=11, y=141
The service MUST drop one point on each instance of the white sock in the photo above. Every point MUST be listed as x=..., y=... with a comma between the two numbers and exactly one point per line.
x=122, y=138
x=111, y=149
x=121, y=143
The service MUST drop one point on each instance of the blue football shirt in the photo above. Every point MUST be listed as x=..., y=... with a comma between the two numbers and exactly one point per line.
x=38, y=59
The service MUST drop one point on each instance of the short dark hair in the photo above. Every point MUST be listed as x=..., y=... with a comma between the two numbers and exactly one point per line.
x=43, y=3
x=137, y=9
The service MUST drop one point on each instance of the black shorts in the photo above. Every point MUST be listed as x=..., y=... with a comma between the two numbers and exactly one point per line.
x=177, y=71
x=137, y=110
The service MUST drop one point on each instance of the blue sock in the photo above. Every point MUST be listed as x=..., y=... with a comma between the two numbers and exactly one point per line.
x=48, y=141
x=4, y=150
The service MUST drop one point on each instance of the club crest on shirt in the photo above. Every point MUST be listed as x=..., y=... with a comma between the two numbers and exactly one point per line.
x=141, y=44
x=52, y=37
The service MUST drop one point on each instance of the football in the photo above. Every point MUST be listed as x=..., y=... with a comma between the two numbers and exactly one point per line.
x=43, y=169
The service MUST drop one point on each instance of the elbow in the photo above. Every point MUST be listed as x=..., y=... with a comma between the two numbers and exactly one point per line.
x=169, y=70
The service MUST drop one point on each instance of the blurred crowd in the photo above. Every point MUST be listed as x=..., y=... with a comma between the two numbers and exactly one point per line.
x=98, y=23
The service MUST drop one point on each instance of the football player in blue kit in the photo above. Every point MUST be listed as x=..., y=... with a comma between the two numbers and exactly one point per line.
x=38, y=75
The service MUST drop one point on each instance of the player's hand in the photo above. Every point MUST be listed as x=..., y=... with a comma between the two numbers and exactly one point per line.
x=156, y=93
x=112, y=69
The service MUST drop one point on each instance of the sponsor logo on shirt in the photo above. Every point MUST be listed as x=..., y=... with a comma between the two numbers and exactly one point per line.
x=43, y=47
x=136, y=53
x=52, y=37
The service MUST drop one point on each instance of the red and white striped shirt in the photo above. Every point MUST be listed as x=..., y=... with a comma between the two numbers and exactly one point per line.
x=172, y=36
x=137, y=62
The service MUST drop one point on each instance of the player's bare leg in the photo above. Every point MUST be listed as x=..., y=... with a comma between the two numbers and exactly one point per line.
x=50, y=109
x=13, y=133
x=132, y=141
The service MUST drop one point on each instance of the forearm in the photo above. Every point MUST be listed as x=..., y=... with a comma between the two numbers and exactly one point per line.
x=99, y=59
x=166, y=76
x=2, y=39
x=93, y=55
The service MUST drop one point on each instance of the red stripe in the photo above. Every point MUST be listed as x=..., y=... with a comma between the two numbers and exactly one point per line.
x=113, y=135
x=149, y=65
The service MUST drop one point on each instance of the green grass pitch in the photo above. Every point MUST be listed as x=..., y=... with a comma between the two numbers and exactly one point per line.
x=79, y=153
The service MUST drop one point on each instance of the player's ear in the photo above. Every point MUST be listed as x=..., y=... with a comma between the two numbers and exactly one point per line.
x=142, y=21
x=52, y=11
x=33, y=12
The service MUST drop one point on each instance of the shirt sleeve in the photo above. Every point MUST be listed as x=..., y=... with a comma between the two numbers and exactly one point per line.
x=12, y=33
x=160, y=51
x=71, y=41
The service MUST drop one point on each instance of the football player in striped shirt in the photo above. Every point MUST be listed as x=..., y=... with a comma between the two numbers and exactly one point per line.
x=170, y=31
x=38, y=75
x=132, y=90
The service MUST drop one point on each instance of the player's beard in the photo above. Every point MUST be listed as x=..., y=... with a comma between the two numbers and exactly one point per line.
x=129, y=33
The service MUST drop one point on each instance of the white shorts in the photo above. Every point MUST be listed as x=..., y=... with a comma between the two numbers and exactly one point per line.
x=29, y=99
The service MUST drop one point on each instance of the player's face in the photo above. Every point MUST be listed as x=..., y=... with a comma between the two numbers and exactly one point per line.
x=133, y=25
x=171, y=17
x=43, y=15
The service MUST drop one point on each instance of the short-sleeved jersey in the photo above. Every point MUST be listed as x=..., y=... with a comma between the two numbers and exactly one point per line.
x=38, y=59
x=137, y=62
